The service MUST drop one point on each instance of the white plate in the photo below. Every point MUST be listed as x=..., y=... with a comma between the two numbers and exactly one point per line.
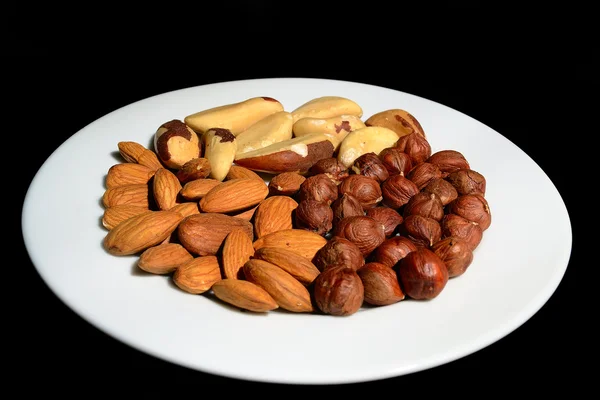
x=518, y=265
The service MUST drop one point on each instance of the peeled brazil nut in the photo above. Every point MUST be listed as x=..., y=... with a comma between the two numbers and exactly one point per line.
x=398, y=120
x=365, y=140
x=339, y=125
x=219, y=149
x=176, y=143
x=292, y=155
x=236, y=117
x=327, y=107
x=271, y=129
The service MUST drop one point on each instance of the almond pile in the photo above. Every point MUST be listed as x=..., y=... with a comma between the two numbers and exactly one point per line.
x=310, y=210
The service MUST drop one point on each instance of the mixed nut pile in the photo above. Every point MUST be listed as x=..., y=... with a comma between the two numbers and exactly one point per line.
x=310, y=210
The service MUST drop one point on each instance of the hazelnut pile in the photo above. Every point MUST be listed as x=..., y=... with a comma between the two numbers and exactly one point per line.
x=399, y=224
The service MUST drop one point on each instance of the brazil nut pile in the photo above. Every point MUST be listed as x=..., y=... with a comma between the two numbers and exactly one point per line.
x=314, y=210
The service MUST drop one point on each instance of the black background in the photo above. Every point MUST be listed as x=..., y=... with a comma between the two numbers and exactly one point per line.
x=531, y=75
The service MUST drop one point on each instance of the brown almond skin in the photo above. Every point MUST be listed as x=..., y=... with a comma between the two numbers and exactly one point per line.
x=338, y=291
x=203, y=234
x=234, y=195
x=133, y=195
x=164, y=258
x=244, y=294
x=296, y=265
x=197, y=276
x=165, y=188
x=114, y=215
x=140, y=232
x=285, y=184
x=198, y=188
x=239, y=172
x=237, y=249
x=128, y=174
x=286, y=290
x=381, y=285
x=187, y=208
x=339, y=251
x=273, y=214
x=301, y=241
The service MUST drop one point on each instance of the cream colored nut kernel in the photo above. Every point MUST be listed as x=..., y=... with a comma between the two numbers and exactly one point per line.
x=365, y=140
x=271, y=129
x=338, y=126
x=220, y=146
x=176, y=143
x=327, y=107
x=236, y=117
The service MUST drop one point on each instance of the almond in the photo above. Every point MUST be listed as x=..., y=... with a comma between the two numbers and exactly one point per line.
x=286, y=290
x=237, y=172
x=186, y=209
x=303, y=242
x=244, y=294
x=134, y=195
x=128, y=174
x=196, y=189
x=203, y=234
x=117, y=214
x=140, y=232
x=165, y=188
x=197, y=275
x=134, y=152
x=164, y=258
x=237, y=249
x=234, y=195
x=293, y=263
x=274, y=214
x=286, y=184
x=246, y=215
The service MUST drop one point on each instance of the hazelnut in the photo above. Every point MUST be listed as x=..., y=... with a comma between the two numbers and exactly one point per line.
x=455, y=253
x=338, y=250
x=338, y=291
x=467, y=181
x=365, y=232
x=416, y=146
x=422, y=274
x=423, y=231
x=331, y=167
x=389, y=217
x=313, y=215
x=444, y=190
x=346, y=206
x=392, y=250
x=366, y=190
x=397, y=191
x=423, y=173
x=318, y=187
x=395, y=161
x=285, y=184
x=370, y=166
x=425, y=204
x=380, y=284
x=196, y=168
x=473, y=207
x=448, y=161
x=460, y=227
